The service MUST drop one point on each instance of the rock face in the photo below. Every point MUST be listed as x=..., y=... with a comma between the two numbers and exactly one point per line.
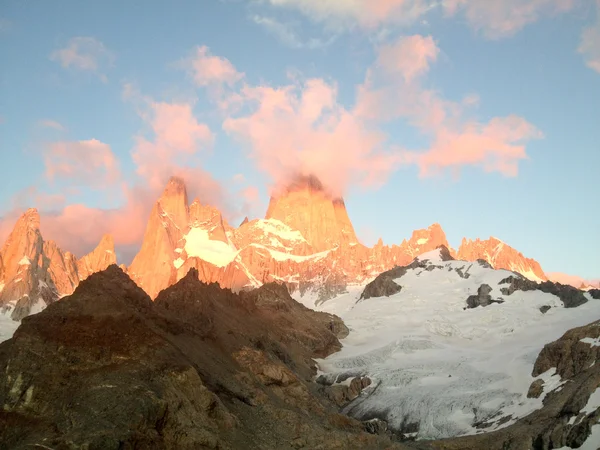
x=200, y=367
x=99, y=259
x=304, y=205
x=35, y=273
x=500, y=256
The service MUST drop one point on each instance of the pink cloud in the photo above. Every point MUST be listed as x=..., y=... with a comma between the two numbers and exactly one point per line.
x=86, y=54
x=456, y=140
x=301, y=128
x=589, y=46
x=573, y=280
x=367, y=14
x=88, y=162
x=53, y=124
x=409, y=57
x=208, y=70
x=497, y=19
x=178, y=136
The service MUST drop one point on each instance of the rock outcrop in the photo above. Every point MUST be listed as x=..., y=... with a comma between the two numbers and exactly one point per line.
x=200, y=367
x=570, y=296
x=500, y=256
x=483, y=297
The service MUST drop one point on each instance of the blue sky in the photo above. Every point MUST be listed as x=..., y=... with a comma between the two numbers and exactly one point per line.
x=100, y=101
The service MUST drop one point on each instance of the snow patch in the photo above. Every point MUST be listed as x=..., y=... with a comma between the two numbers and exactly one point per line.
x=594, y=342
x=178, y=263
x=593, y=402
x=198, y=244
x=422, y=241
x=25, y=261
x=277, y=227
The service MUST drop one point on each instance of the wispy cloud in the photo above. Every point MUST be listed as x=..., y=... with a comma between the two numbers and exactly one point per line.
x=209, y=70
x=52, y=124
x=86, y=54
x=90, y=163
x=589, y=46
x=498, y=19
x=493, y=18
x=288, y=35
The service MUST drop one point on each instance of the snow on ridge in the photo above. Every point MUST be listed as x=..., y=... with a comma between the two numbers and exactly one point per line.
x=282, y=256
x=277, y=227
x=432, y=255
x=437, y=362
x=198, y=244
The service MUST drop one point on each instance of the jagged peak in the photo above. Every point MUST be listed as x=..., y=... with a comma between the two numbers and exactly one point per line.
x=175, y=187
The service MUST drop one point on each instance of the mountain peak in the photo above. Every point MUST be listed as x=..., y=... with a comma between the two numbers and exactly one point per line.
x=304, y=205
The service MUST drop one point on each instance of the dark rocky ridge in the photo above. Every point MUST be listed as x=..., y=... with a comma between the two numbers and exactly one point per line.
x=570, y=296
x=201, y=367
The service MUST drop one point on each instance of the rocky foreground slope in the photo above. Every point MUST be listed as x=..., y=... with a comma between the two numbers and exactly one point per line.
x=201, y=367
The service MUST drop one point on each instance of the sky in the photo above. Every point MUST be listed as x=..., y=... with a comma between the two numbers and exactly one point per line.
x=481, y=115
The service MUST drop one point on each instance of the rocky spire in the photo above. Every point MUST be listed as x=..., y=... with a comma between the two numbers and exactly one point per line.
x=99, y=259
x=306, y=206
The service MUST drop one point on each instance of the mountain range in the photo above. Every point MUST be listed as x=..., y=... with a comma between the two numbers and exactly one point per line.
x=306, y=241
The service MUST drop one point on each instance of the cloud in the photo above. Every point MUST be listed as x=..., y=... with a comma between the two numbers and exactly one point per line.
x=90, y=163
x=494, y=18
x=367, y=14
x=178, y=136
x=86, y=54
x=589, y=46
x=53, y=124
x=573, y=280
x=209, y=70
x=287, y=35
x=497, y=19
x=301, y=128
x=394, y=90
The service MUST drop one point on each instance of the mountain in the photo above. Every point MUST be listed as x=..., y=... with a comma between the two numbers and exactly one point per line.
x=306, y=241
x=35, y=272
x=305, y=206
x=500, y=256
